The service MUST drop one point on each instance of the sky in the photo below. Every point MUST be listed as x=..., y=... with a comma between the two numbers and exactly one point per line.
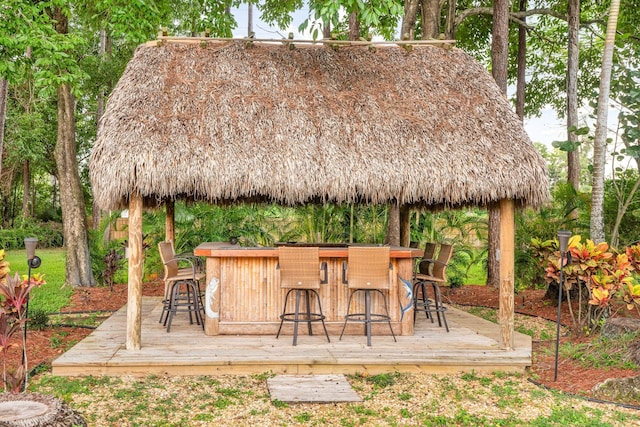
x=545, y=129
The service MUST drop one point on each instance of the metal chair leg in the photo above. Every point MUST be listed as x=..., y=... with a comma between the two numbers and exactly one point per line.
x=284, y=310
x=346, y=317
x=296, y=318
x=367, y=315
x=439, y=307
x=386, y=309
x=306, y=316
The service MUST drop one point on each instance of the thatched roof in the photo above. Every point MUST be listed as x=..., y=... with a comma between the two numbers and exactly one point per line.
x=226, y=121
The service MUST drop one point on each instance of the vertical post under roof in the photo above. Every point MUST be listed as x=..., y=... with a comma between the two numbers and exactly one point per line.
x=134, y=299
x=507, y=243
x=170, y=222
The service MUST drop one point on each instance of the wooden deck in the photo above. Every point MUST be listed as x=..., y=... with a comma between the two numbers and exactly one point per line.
x=472, y=344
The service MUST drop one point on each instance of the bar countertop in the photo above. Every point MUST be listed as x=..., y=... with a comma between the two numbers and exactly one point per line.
x=227, y=250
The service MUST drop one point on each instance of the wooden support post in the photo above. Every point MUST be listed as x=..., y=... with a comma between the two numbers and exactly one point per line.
x=405, y=271
x=507, y=243
x=211, y=324
x=170, y=228
x=134, y=300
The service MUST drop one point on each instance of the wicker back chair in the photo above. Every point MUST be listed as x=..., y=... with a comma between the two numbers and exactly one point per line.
x=437, y=277
x=181, y=286
x=300, y=273
x=368, y=269
x=428, y=257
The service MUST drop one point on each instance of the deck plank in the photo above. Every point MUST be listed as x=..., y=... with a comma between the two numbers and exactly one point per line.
x=472, y=344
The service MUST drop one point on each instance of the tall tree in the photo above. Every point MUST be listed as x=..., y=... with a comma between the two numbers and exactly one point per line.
x=499, y=63
x=573, y=155
x=522, y=63
x=4, y=86
x=104, y=50
x=74, y=218
x=600, y=138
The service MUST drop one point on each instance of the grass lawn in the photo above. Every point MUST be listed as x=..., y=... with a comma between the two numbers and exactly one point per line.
x=391, y=399
x=477, y=275
x=52, y=296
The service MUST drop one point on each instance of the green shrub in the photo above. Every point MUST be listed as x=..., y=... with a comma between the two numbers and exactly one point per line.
x=38, y=319
x=49, y=235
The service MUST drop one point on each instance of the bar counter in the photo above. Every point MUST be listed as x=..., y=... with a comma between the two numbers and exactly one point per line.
x=243, y=294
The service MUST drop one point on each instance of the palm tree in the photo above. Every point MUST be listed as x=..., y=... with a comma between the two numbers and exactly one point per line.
x=600, y=139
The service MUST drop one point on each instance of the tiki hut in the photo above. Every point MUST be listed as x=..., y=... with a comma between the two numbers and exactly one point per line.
x=223, y=121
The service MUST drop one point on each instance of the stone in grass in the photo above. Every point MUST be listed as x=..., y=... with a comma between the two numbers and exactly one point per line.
x=616, y=326
x=618, y=389
x=34, y=409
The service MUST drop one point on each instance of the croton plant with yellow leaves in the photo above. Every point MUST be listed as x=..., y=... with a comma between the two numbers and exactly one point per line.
x=597, y=274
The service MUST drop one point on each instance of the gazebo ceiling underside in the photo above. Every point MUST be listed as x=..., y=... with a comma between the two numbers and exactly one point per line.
x=224, y=122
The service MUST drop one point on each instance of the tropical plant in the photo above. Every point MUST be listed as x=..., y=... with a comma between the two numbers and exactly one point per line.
x=535, y=232
x=464, y=229
x=598, y=274
x=13, y=318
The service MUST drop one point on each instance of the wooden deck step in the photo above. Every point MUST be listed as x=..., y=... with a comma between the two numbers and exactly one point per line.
x=311, y=389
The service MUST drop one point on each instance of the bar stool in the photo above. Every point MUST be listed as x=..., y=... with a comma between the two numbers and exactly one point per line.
x=438, y=275
x=300, y=273
x=185, y=297
x=182, y=286
x=368, y=269
x=423, y=266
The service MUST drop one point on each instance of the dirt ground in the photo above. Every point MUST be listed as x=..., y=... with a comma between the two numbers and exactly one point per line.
x=45, y=345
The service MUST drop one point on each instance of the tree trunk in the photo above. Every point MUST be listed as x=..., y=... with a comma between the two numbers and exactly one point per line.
x=573, y=157
x=408, y=29
x=430, y=19
x=170, y=222
x=5, y=184
x=522, y=63
x=493, y=263
x=405, y=226
x=450, y=23
x=104, y=49
x=600, y=138
x=500, y=43
x=35, y=409
x=393, y=226
x=74, y=218
x=499, y=58
x=623, y=205
x=26, y=190
x=4, y=86
x=354, y=26
x=326, y=30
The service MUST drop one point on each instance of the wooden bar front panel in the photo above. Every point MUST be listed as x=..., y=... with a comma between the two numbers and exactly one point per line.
x=249, y=299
